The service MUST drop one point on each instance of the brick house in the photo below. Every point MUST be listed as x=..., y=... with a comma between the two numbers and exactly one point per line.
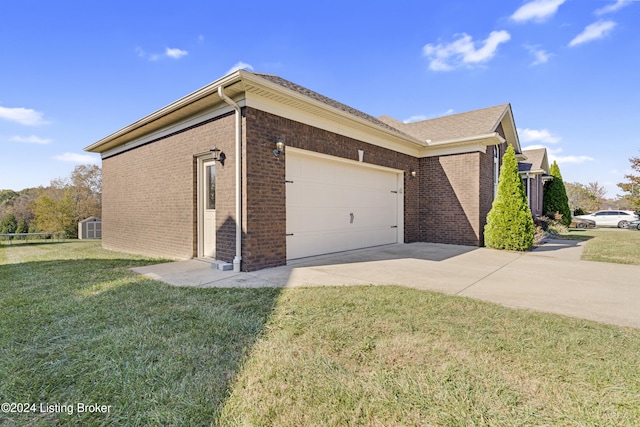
x=534, y=169
x=203, y=176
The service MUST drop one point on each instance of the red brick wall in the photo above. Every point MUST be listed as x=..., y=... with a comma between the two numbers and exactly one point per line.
x=265, y=240
x=486, y=186
x=449, y=200
x=457, y=197
x=149, y=192
x=535, y=195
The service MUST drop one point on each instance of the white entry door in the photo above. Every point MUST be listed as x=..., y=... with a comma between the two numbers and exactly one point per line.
x=208, y=206
x=335, y=206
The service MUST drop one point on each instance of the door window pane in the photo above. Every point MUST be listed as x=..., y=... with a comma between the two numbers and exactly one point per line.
x=211, y=186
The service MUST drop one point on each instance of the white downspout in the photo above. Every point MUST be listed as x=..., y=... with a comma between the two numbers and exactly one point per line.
x=238, y=257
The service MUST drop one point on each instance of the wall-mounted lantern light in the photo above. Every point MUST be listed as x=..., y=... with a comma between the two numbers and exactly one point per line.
x=412, y=174
x=218, y=155
x=279, y=147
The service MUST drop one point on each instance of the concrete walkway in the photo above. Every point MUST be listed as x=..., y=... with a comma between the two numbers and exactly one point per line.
x=551, y=278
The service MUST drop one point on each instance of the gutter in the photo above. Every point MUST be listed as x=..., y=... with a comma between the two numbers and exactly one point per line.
x=464, y=140
x=238, y=114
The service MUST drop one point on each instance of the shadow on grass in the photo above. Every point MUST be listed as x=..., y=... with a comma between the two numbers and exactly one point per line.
x=91, y=331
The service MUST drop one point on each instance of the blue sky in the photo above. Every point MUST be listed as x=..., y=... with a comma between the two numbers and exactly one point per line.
x=72, y=72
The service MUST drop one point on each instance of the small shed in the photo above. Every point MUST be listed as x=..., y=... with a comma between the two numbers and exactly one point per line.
x=90, y=228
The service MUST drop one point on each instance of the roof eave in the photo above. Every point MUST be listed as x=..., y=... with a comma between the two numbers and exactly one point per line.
x=462, y=145
x=489, y=137
x=508, y=114
x=395, y=133
x=210, y=89
x=120, y=137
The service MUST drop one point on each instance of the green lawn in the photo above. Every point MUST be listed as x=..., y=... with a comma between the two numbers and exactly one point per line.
x=608, y=245
x=78, y=327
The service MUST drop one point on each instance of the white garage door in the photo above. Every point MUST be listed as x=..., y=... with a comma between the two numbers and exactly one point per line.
x=334, y=205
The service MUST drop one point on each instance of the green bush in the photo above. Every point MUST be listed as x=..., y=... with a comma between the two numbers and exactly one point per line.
x=509, y=223
x=554, y=198
x=23, y=227
x=8, y=224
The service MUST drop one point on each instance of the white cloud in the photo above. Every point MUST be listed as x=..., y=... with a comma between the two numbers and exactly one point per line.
x=541, y=56
x=554, y=155
x=542, y=135
x=175, y=53
x=30, y=139
x=463, y=51
x=571, y=159
x=240, y=66
x=595, y=31
x=421, y=117
x=78, y=158
x=537, y=10
x=416, y=118
x=619, y=4
x=24, y=116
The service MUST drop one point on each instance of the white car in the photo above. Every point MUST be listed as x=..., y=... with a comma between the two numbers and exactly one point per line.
x=611, y=218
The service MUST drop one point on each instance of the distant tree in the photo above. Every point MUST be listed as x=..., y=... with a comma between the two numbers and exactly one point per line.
x=86, y=184
x=579, y=197
x=599, y=193
x=23, y=204
x=632, y=186
x=8, y=224
x=7, y=196
x=69, y=200
x=22, y=227
x=554, y=199
x=509, y=222
x=53, y=212
x=6, y=201
x=589, y=198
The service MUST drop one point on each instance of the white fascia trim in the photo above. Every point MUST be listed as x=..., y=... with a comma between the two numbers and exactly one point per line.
x=533, y=172
x=445, y=151
x=301, y=152
x=337, y=123
x=508, y=113
x=208, y=114
x=462, y=145
x=274, y=87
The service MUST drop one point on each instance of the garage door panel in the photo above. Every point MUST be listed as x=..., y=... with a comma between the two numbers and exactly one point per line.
x=300, y=218
x=335, y=206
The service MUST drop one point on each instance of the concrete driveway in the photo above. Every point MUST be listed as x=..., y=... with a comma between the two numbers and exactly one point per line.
x=550, y=278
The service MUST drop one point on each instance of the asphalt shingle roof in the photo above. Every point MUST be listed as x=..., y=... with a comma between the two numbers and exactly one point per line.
x=328, y=101
x=454, y=126
x=534, y=162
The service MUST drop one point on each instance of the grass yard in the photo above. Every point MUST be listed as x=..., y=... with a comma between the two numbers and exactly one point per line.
x=79, y=327
x=608, y=245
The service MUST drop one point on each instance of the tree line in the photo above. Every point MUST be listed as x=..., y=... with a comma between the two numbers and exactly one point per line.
x=592, y=197
x=56, y=208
